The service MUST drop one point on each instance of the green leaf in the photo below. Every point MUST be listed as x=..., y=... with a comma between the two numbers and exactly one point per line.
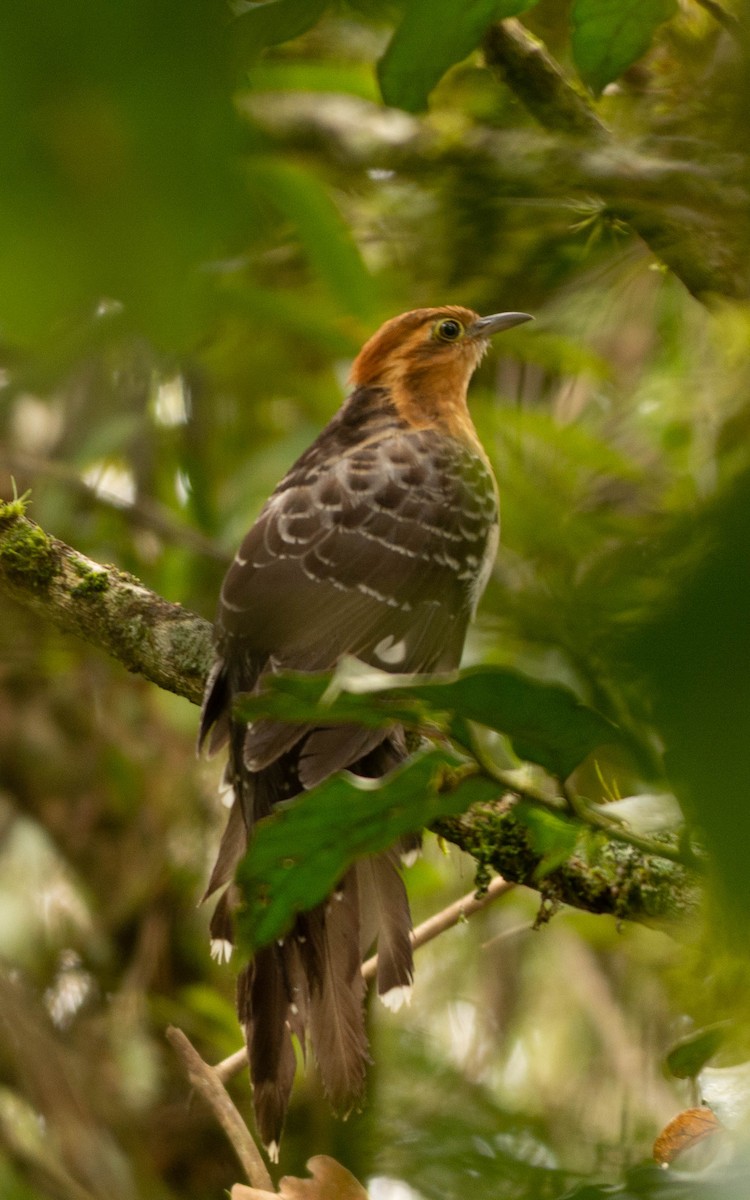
x=326, y=240
x=547, y=723
x=433, y=35
x=609, y=35
x=689, y=1056
x=324, y=699
x=692, y=655
x=272, y=21
x=298, y=854
x=119, y=175
x=553, y=836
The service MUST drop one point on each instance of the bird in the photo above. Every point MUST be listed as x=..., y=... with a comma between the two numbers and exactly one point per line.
x=378, y=544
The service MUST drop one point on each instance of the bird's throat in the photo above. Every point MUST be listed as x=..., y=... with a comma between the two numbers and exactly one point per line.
x=429, y=402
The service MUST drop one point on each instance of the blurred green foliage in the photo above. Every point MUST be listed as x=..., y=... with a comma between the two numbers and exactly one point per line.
x=204, y=211
x=431, y=36
x=609, y=36
x=121, y=150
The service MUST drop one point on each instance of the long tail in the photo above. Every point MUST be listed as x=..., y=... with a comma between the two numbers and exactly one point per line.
x=310, y=983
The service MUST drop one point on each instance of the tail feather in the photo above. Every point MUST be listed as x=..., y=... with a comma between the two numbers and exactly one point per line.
x=215, y=710
x=262, y=1004
x=231, y=849
x=383, y=897
x=266, y=741
x=298, y=1012
x=325, y=751
x=337, y=1026
x=221, y=925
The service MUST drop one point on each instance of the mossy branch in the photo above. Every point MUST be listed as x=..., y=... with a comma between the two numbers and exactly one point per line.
x=540, y=83
x=172, y=648
x=106, y=607
x=614, y=878
x=702, y=253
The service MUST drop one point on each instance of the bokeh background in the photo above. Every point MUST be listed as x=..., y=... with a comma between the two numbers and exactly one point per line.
x=204, y=210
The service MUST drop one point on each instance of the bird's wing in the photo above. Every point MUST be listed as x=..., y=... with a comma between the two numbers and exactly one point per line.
x=372, y=553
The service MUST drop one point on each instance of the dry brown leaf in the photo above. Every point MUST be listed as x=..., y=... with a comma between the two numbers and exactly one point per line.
x=683, y=1131
x=330, y=1181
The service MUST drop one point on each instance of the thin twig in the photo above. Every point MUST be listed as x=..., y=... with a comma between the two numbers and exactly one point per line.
x=231, y=1066
x=206, y=1080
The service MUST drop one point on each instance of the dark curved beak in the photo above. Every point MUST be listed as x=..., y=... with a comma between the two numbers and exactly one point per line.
x=486, y=326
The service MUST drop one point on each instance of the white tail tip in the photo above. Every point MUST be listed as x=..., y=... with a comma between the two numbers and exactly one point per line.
x=221, y=949
x=396, y=997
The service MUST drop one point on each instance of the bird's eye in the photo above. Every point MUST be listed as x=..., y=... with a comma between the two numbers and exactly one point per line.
x=449, y=330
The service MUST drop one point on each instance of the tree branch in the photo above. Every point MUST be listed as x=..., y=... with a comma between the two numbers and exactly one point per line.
x=207, y=1081
x=172, y=648
x=357, y=135
x=620, y=880
x=106, y=607
x=540, y=83
x=726, y=19
x=702, y=254
x=691, y=214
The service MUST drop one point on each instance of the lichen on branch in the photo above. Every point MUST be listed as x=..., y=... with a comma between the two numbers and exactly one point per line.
x=106, y=607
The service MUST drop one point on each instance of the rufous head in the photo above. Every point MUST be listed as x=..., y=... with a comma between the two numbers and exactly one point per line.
x=426, y=358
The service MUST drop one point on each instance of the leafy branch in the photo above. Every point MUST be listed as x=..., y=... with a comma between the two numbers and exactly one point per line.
x=691, y=213
x=702, y=255
x=526, y=834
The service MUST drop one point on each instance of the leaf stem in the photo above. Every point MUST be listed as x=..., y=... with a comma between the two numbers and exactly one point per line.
x=571, y=803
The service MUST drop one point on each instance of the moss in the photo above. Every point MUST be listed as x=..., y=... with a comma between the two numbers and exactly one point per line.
x=600, y=876
x=11, y=509
x=92, y=582
x=26, y=553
